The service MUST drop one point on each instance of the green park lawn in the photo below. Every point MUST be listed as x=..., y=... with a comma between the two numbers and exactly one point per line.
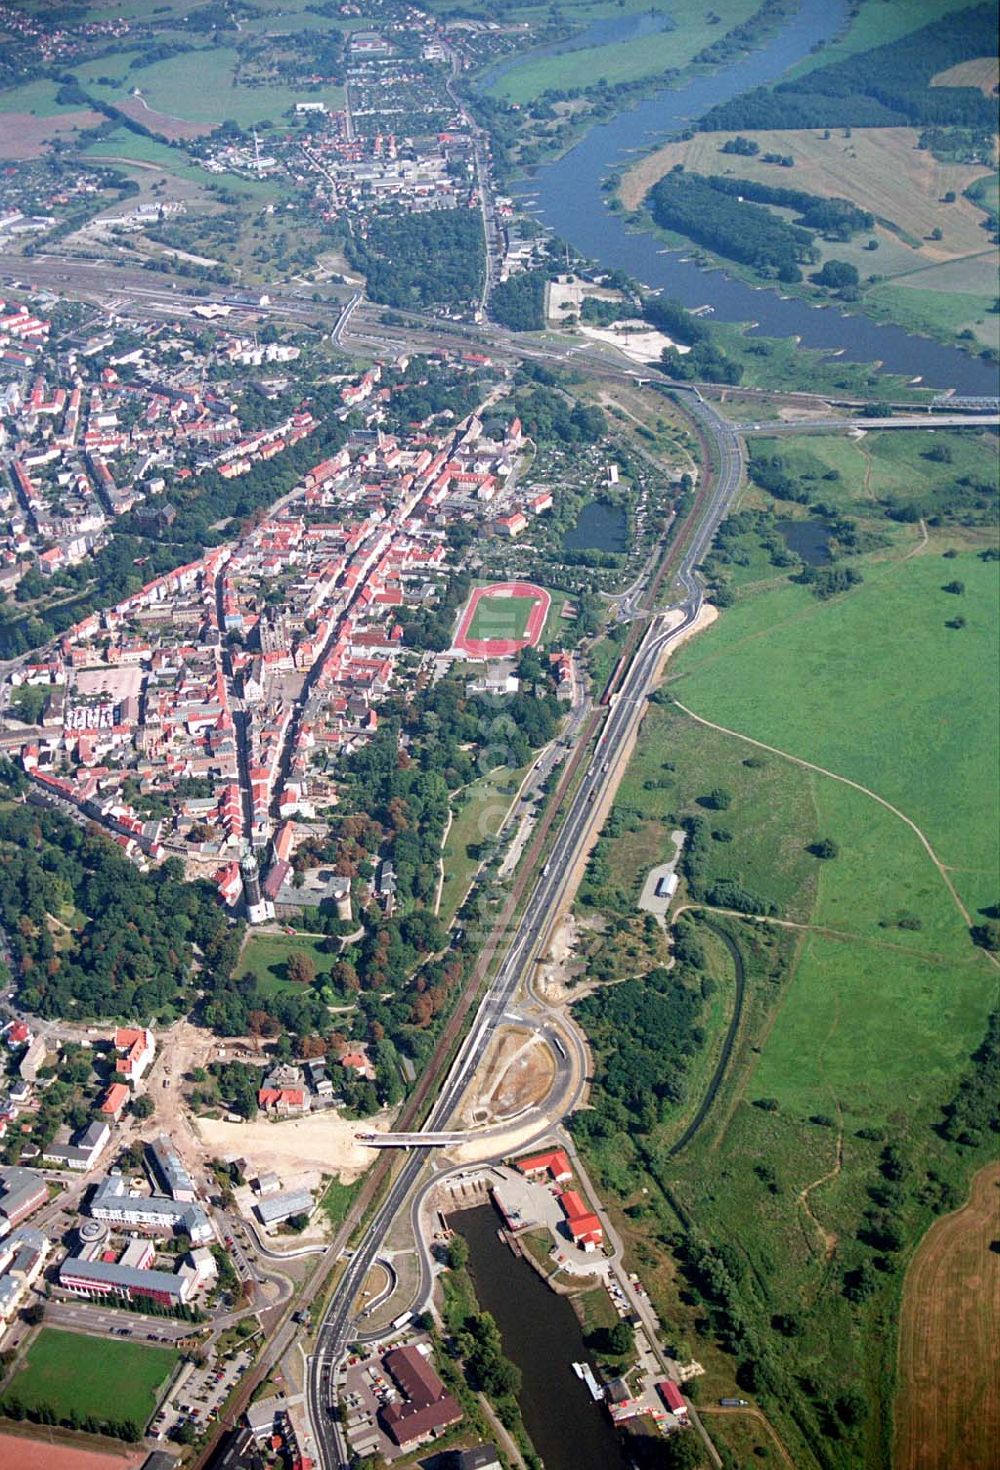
x=483, y=807
x=266, y=956
x=111, y=1381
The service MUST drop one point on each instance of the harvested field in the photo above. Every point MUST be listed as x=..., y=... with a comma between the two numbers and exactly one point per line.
x=948, y=1409
x=879, y=169
x=983, y=72
x=23, y=136
x=161, y=123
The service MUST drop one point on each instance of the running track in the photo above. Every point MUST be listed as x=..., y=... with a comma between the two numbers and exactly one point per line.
x=503, y=647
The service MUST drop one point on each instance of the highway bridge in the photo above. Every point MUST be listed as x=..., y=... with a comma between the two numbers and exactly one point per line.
x=411, y=1140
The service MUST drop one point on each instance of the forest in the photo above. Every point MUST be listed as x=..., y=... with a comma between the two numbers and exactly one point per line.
x=422, y=260
x=90, y=935
x=748, y=233
x=886, y=87
x=644, y=1033
x=519, y=302
x=838, y=219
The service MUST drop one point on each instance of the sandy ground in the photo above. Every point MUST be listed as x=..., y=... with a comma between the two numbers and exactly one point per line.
x=948, y=1411
x=22, y=135
x=38, y=1454
x=634, y=339
x=318, y=1141
x=565, y=297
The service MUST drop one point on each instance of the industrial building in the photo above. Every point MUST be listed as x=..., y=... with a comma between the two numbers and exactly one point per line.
x=278, y=1208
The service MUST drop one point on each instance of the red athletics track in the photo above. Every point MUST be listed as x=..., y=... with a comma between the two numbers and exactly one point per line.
x=503, y=647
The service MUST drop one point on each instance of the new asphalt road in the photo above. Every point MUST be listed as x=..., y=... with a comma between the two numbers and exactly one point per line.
x=623, y=718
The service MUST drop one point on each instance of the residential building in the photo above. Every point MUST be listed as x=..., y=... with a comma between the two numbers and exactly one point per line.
x=114, y=1101
x=136, y=1048
x=82, y=1151
x=21, y=1192
x=22, y=1256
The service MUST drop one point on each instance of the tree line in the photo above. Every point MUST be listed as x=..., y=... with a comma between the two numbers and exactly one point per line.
x=888, y=86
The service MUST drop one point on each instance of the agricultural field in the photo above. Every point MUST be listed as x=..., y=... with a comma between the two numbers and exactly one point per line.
x=92, y=1377
x=941, y=286
x=865, y=996
x=948, y=1411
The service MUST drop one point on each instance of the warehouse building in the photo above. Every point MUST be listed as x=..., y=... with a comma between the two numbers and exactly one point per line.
x=277, y=1208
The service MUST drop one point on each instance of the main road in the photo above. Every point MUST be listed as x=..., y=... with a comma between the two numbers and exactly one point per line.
x=529, y=938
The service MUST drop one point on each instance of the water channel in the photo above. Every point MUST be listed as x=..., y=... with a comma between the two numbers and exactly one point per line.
x=542, y=1335
x=566, y=196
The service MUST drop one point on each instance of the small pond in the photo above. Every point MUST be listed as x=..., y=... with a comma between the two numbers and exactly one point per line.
x=600, y=526
x=808, y=539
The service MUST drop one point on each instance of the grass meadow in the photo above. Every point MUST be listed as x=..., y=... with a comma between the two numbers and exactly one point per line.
x=111, y=1381
x=624, y=61
x=865, y=1001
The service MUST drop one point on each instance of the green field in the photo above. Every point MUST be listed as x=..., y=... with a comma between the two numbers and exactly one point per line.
x=827, y=682
x=624, y=61
x=200, y=86
x=112, y=1382
x=478, y=813
x=865, y=995
x=501, y=617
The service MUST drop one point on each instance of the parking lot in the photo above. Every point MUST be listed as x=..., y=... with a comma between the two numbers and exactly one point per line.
x=198, y=1394
x=368, y=1387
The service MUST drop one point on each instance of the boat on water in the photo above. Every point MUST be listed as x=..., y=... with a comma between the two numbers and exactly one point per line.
x=584, y=1372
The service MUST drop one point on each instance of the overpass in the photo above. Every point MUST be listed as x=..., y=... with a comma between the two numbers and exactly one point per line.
x=410, y=1140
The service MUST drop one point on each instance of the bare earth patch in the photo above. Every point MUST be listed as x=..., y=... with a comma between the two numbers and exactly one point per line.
x=322, y=1141
x=948, y=1409
x=22, y=135
x=162, y=123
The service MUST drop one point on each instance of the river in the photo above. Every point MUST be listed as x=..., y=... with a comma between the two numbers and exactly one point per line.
x=542, y=1335
x=566, y=195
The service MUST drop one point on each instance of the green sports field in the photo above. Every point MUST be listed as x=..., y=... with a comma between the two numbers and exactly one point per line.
x=92, y=1377
x=500, y=617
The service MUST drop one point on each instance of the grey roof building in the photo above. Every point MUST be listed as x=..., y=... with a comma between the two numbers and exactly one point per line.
x=169, y=1166
x=280, y=1207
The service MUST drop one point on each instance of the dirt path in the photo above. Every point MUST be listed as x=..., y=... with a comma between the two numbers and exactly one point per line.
x=761, y=1418
x=948, y=1404
x=856, y=785
x=828, y=1237
x=841, y=935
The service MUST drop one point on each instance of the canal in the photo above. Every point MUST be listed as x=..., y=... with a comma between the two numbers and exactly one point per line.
x=566, y=196
x=542, y=1335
